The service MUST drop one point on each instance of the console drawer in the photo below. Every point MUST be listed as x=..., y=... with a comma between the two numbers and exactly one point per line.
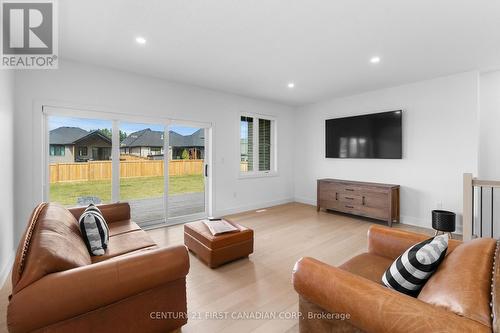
x=351, y=199
x=340, y=187
x=349, y=208
x=348, y=189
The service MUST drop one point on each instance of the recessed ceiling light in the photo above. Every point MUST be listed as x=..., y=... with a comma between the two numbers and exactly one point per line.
x=140, y=40
x=375, y=60
x=291, y=85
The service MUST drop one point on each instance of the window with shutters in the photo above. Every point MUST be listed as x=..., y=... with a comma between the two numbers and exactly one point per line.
x=257, y=147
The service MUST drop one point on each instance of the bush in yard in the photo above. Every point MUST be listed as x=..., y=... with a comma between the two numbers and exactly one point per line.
x=185, y=155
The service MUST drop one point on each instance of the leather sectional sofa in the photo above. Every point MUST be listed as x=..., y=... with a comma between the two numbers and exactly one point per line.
x=58, y=287
x=461, y=296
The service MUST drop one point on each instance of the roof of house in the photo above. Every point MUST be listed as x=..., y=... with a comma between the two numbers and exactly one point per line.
x=92, y=134
x=73, y=135
x=149, y=138
x=143, y=138
x=66, y=135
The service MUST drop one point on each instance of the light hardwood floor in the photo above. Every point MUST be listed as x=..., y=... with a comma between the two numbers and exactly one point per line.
x=262, y=283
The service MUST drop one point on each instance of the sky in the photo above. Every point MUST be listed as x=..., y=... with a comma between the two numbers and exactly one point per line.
x=127, y=127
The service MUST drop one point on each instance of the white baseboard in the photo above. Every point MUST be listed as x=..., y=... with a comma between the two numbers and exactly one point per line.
x=241, y=209
x=415, y=221
x=304, y=200
x=423, y=223
x=404, y=219
x=5, y=270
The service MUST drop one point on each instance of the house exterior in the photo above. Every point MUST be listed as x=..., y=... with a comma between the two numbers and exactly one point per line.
x=95, y=146
x=194, y=144
x=145, y=143
x=149, y=144
x=73, y=144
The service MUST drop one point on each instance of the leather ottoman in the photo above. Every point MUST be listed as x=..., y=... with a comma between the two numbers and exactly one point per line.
x=220, y=249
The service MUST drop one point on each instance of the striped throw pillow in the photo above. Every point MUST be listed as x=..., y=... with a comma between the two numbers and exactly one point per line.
x=409, y=272
x=94, y=230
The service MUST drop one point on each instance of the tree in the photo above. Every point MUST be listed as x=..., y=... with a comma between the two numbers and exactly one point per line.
x=104, y=131
x=123, y=136
x=107, y=133
x=185, y=155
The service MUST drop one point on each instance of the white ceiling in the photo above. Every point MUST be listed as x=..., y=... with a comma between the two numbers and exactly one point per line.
x=255, y=47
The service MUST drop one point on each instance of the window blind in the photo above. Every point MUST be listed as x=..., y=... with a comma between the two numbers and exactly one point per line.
x=264, y=145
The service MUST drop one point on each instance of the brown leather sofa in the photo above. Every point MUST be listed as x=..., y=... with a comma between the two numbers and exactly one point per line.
x=58, y=287
x=461, y=296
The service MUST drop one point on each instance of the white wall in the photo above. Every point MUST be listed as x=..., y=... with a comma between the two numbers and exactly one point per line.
x=133, y=94
x=440, y=127
x=489, y=152
x=489, y=143
x=440, y=143
x=7, y=172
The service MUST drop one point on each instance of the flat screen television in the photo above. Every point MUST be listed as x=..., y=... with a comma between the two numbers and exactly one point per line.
x=376, y=135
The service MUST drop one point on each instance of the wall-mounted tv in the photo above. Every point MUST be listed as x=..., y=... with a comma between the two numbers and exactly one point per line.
x=376, y=135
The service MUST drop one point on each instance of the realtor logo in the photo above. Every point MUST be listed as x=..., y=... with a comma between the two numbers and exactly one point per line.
x=29, y=34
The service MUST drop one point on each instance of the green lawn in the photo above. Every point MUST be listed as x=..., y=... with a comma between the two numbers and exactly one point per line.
x=130, y=188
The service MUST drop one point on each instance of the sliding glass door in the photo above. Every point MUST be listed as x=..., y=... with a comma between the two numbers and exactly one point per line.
x=142, y=175
x=160, y=167
x=186, y=174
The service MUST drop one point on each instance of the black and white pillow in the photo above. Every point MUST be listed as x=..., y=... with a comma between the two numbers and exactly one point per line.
x=94, y=230
x=409, y=272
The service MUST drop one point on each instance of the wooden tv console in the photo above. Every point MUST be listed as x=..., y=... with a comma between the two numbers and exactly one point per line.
x=377, y=201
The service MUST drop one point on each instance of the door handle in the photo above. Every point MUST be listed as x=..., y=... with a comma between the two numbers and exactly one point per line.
x=206, y=170
x=363, y=200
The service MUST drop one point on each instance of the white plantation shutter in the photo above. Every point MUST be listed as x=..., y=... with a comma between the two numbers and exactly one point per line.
x=264, y=145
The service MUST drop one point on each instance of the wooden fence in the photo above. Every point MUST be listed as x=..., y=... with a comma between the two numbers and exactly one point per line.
x=101, y=170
